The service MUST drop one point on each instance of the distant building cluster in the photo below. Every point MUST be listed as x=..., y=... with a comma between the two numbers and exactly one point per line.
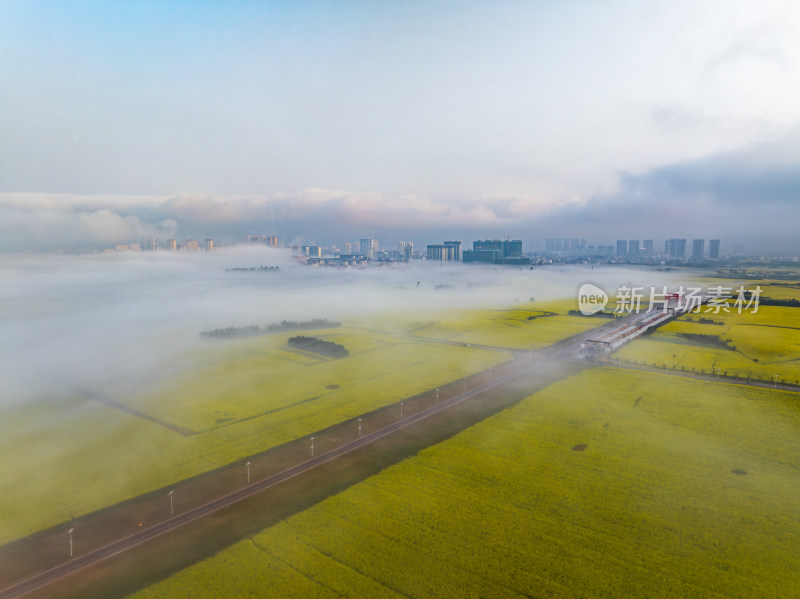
x=497, y=251
x=625, y=250
x=367, y=250
x=268, y=240
x=150, y=244
x=511, y=252
x=360, y=252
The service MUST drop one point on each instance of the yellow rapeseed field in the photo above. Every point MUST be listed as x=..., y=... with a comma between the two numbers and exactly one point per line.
x=72, y=456
x=530, y=326
x=758, y=345
x=611, y=483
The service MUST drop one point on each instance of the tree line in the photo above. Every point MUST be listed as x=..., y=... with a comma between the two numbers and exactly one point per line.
x=318, y=346
x=283, y=326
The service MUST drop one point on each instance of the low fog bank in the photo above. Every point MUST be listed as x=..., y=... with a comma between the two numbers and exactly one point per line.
x=115, y=323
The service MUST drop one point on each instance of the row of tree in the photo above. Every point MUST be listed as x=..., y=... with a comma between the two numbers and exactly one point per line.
x=240, y=268
x=318, y=346
x=283, y=326
x=786, y=303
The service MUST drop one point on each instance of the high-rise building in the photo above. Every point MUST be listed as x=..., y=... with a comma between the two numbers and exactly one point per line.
x=550, y=245
x=633, y=248
x=489, y=250
x=713, y=249
x=512, y=248
x=172, y=244
x=698, y=248
x=368, y=247
x=648, y=247
x=496, y=251
x=191, y=244
x=488, y=244
x=208, y=245
x=449, y=251
x=456, y=249
x=440, y=252
x=406, y=250
x=622, y=248
x=149, y=243
x=675, y=248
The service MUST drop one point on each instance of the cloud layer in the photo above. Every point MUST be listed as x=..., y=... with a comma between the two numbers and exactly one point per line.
x=749, y=196
x=433, y=100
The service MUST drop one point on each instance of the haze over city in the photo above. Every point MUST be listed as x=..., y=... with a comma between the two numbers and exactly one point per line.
x=329, y=121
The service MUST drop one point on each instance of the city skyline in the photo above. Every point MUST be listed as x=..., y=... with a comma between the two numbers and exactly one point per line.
x=86, y=224
x=496, y=251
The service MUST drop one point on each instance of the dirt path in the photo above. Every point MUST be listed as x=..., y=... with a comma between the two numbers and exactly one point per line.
x=181, y=430
x=698, y=376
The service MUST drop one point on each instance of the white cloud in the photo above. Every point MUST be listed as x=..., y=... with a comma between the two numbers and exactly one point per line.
x=651, y=203
x=107, y=226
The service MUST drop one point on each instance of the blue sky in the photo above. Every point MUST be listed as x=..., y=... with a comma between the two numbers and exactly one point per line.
x=434, y=104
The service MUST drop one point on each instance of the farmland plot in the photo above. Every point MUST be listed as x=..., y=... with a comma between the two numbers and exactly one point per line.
x=610, y=483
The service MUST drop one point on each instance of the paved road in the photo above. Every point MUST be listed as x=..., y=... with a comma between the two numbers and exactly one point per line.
x=91, y=558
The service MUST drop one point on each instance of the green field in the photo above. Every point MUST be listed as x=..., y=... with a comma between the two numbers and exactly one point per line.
x=760, y=345
x=72, y=455
x=684, y=489
x=294, y=390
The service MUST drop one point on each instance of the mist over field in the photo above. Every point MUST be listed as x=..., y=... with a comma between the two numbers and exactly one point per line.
x=421, y=428
x=120, y=322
